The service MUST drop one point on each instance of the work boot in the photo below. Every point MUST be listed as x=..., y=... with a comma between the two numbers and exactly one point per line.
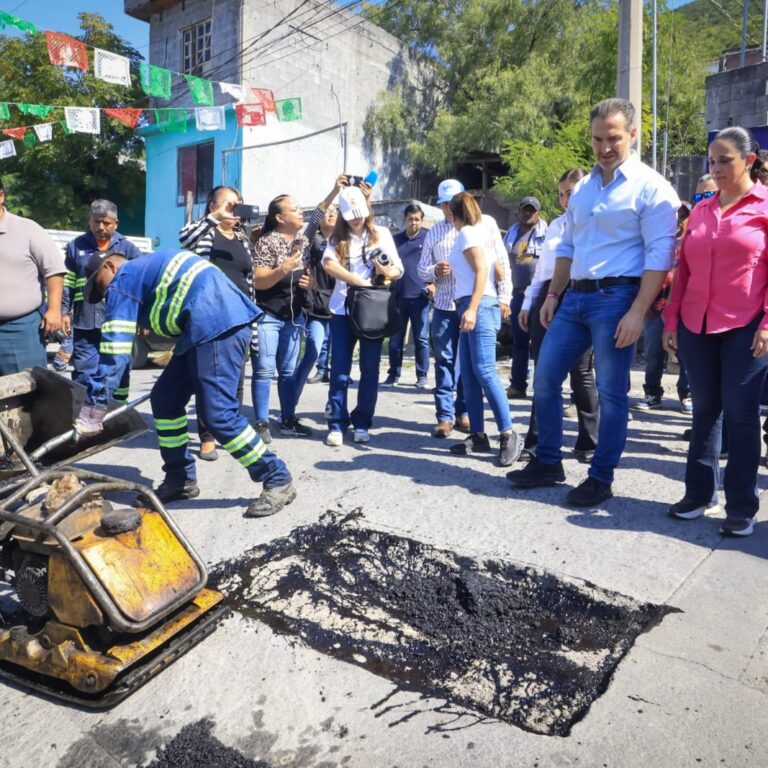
x=443, y=429
x=589, y=493
x=173, y=490
x=537, y=474
x=477, y=442
x=462, y=424
x=271, y=501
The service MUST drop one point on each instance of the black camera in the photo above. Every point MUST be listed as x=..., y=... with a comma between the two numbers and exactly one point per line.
x=246, y=212
x=380, y=256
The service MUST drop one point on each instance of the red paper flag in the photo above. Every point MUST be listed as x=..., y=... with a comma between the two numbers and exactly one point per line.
x=65, y=51
x=250, y=114
x=17, y=133
x=266, y=97
x=126, y=116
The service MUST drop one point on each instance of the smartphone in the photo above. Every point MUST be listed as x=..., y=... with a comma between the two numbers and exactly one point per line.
x=246, y=212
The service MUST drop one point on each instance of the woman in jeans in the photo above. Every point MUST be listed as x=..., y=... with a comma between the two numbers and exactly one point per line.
x=219, y=237
x=716, y=318
x=356, y=252
x=477, y=304
x=281, y=278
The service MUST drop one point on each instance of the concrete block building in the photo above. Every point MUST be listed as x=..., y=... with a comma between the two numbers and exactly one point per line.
x=316, y=50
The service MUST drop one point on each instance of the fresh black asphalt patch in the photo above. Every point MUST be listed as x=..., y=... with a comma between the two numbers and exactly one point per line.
x=521, y=645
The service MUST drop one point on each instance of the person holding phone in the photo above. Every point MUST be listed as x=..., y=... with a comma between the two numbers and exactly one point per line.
x=281, y=277
x=220, y=237
x=358, y=252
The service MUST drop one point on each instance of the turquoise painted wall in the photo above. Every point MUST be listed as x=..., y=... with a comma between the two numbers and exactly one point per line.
x=164, y=218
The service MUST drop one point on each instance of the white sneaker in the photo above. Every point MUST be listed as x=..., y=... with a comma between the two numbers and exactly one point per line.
x=361, y=436
x=335, y=438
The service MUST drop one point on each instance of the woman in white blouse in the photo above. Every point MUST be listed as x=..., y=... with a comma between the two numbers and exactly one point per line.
x=582, y=374
x=354, y=254
x=472, y=265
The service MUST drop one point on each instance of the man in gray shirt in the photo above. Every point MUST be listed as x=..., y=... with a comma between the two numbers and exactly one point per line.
x=30, y=264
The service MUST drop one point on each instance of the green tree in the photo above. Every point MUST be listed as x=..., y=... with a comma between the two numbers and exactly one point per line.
x=54, y=182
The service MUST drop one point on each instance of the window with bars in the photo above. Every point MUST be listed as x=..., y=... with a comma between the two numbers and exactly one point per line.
x=196, y=47
x=195, y=172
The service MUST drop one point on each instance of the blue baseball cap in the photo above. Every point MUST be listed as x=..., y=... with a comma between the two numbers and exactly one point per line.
x=448, y=189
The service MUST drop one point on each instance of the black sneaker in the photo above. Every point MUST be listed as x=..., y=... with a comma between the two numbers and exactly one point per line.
x=590, y=493
x=390, y=381
x=262, y=427
x=174, y=491
x=271, y=501
x=295, y=428
x=477, y=442
x=527, y=454
x=688, y=509
x=737, y=526
x=537, y=474
x=583, y=457
x=510, y=447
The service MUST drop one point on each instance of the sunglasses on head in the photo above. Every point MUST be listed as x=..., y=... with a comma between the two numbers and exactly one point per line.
x=699, y=196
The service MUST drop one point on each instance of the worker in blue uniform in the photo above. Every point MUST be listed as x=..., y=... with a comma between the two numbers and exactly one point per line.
x=84, y=319
x=178, y=294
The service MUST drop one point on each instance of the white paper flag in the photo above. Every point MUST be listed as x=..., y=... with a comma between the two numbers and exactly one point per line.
x=83, y=119
x=7, y=149
x=44, y=132
x=235, y=91
x=111, y=67
x=210, y=118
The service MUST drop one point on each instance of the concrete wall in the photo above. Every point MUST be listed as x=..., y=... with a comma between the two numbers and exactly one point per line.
x=737, y=97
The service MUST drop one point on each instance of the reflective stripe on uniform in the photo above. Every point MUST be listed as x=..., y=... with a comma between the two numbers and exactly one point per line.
x=121, y=393
x=165, y=425
x=118, y=326
x=116, y=347
x=161, y=293
x=237, y=443
x=253, y=455
x=69, y=279
x=185, y=283
x=173, y=441
x=172, y=433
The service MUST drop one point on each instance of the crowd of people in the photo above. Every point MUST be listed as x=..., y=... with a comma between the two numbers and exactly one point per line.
x=626, y=260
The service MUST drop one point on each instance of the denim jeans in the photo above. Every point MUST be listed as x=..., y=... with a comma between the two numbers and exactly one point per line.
x=343, y=343
x=415, y=311
x=279, y=345
x=445, y=345
x=477, y=359
x=586, y=318
x=210, y=371
x=317, y=331
x=724, y=377
x=323, y=360
x=521, y=350
x=21, y=344
x=654, y=354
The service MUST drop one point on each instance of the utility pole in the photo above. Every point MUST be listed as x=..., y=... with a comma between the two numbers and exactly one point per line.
x=629, y=80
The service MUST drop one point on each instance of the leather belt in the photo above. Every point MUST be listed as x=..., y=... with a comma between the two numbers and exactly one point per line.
x=585, y=286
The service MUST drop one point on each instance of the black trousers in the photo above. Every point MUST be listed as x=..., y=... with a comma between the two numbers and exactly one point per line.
x=582, y=383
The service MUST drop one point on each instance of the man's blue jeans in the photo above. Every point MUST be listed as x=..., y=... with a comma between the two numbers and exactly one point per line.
x=477, y=358
x=343, y=343
x=211, y=372
x=724, y=377
x=445, y=345
x=323, y=360
x=586, y=318
x=415, y=311
x=521, y=349
x=313, y=345
x=654, y=354
x=279, y=346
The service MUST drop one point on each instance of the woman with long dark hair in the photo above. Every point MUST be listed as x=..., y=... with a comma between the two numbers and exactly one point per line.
x=477, y=304
x=357, y=251
x=281, y=278
x=716, y=318
x=220, y=237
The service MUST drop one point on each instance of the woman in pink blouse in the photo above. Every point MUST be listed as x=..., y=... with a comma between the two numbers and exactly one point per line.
x=716, y=318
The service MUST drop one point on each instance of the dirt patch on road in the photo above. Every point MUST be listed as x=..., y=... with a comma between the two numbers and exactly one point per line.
x=521, y=645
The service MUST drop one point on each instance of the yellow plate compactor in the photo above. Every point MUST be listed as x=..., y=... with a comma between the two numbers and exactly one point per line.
x=109, y=591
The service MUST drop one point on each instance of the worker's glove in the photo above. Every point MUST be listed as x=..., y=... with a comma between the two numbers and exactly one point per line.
x=90, y=420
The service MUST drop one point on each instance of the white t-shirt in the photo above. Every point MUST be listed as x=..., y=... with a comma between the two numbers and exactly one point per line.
x=464, y=276
x=357, y=266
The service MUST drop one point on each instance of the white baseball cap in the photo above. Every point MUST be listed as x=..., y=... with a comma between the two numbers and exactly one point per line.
x=352, y=204
x=447, y=190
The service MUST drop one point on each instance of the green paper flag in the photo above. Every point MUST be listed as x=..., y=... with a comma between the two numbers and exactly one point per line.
x=288, y=109
x=14, y=21
x=171, y=120
x=155, y=81
x=38, y=110
x=201, y=90
x=5, y=113
x=30, y=139
x=66, y=128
